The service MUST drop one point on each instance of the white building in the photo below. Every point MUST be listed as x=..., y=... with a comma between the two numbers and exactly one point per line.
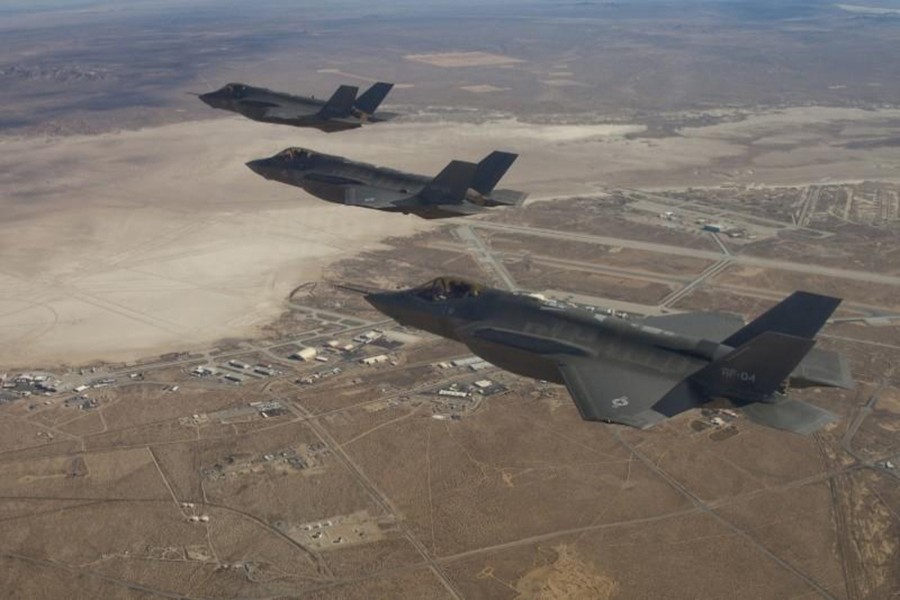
x=304, y=354
x=374, y=360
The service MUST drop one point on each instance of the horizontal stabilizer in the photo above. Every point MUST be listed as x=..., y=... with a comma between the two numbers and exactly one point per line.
x=506, y=198
x=789, y=415
x=381, y=117
x=802, y=314
x=824, y=367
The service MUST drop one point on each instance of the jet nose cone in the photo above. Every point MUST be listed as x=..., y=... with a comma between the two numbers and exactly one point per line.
x=208, y=99
x=384, y=302
x=260, y=167
x=376, y=300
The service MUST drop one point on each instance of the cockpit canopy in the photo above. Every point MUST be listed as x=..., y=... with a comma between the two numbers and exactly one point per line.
x=295, y=155
x=236, y=90
x=447, y=288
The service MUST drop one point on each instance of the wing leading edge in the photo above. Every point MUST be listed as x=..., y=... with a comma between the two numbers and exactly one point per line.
x=616, y=393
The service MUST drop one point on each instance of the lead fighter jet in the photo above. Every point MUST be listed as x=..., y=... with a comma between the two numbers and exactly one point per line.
x=340, y=112
x=462, y=188
x=639, y=373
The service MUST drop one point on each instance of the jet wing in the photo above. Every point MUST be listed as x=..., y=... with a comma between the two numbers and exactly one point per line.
x=284, y=113
x=615, y=392
x=707, y=326
x=259, y=104
x=459, y=209
x=372, y=197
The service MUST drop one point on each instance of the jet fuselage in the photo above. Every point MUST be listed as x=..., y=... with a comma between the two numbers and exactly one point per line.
x=268, y=106
x=523, y=334
x=342, y=181
x=327, y=177
x=639, y=373
x=526, y=335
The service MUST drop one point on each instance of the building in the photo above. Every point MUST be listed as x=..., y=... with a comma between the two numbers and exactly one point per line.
x=374, y=360
x=465, y=362
x=369, y=336
x=305, y=354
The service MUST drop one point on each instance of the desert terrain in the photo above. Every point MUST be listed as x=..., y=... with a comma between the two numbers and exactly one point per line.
x=165, y=233
x=165, y=430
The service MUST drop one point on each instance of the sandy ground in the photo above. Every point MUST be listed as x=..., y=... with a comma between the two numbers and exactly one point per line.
x=463, y=59
x=129, y=244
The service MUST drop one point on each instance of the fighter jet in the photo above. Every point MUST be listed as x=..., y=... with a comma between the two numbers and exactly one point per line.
x=462, y=188
x=639, y=373
x=340, y=112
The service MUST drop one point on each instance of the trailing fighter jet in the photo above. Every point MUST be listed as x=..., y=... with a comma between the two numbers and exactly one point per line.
x=340, y=112
x=462, y=188
x=639, y=373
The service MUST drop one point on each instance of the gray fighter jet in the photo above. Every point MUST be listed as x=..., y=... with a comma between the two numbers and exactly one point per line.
x=462, y=188
x=639, y=373
x=340, y=112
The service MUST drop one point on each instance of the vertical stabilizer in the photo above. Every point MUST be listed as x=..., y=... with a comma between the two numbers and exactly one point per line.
x=451, y=184
x=756, y=370
x=341, y=103
x=491, y=170
x=370, y=100
x=802, y=314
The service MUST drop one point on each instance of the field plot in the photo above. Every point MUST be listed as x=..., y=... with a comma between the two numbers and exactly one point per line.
x=483, y=89
x=291, y=498
x=603, y=563
x=463, y=59
x=603, y=256
x=16, y=434
x=458, y=478
x=117, y=474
